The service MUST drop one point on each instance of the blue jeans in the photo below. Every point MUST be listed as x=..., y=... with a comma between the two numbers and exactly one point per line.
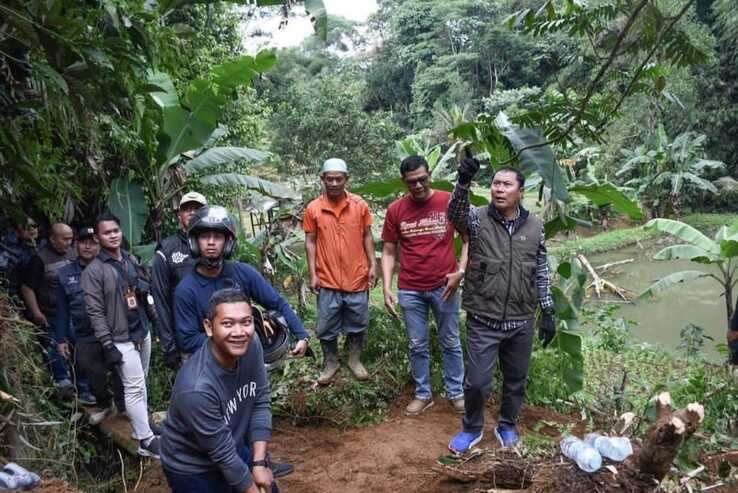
x=52, y=357
x=415, y=307
x=206, y=482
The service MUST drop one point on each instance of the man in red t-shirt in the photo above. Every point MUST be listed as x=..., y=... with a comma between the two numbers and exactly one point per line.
x=417, y=228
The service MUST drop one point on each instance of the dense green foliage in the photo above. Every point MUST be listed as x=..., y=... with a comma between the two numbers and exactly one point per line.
x=611, y=108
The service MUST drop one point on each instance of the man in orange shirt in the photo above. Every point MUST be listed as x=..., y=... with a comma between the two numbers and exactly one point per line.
x=337, y=226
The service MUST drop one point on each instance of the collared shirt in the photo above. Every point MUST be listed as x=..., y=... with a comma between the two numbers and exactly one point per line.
x=466, y=218
x=340, y=260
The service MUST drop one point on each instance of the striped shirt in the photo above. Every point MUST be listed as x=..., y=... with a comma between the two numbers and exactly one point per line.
x=466, y=219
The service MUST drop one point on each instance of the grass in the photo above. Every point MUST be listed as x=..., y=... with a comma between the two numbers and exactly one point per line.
x=602, y=242
x=709, y=221
x=620, y=238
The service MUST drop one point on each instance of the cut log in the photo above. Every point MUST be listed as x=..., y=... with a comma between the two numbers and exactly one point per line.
x=663, y=438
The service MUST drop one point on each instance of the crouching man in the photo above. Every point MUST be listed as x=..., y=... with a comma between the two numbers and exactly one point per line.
x=220, y=418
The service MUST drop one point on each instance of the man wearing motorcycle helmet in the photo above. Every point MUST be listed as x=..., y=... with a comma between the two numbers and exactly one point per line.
x=212, y=239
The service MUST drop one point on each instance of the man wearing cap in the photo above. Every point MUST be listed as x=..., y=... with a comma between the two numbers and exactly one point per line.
x=338, y=225
x=75, y=338
x=171, y=264
x=38, y=287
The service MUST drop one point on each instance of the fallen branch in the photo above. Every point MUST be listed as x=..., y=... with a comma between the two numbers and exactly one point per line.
x=599, y=284
x=604, y=268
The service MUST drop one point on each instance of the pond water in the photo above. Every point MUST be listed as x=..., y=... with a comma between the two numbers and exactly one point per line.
x=660, y=320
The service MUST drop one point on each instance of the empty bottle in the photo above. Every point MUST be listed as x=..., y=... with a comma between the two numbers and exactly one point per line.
x=8, y=482
x=24, y=478
x=587, y=457
x=614, y=448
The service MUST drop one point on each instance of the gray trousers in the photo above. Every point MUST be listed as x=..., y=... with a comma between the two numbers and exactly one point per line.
x=483, y=346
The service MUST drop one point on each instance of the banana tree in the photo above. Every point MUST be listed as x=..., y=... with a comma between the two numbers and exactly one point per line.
x=670, y=167
x=719, y=252
x=568, y=291
x=178, y=136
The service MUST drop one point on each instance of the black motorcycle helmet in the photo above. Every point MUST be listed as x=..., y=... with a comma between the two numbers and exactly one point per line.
x=273, y=332
x=212, y=218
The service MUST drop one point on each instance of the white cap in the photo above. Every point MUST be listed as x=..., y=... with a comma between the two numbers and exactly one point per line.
x=334, y=164
x=193, y=197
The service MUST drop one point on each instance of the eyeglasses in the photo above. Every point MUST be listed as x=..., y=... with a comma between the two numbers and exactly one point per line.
x=422, y=181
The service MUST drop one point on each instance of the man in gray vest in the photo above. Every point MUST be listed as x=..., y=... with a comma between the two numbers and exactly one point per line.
x=38, y=287
x=506, y=279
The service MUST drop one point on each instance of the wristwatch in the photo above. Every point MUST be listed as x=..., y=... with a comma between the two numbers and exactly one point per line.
x=265, y=462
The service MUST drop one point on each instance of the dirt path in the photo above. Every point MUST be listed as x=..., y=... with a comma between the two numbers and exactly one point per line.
x=396, y=455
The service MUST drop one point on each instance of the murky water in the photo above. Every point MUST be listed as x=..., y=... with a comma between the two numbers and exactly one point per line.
x=660, y=320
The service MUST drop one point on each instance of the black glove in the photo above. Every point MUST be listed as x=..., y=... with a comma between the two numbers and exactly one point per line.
x=172, y=360
x=112, y=355
x=468, y=168
x=547, y=330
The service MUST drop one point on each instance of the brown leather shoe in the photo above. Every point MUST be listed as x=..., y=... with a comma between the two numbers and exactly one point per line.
x=418, y=406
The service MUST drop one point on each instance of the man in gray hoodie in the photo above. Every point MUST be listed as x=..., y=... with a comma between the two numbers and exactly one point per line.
x=220, y=418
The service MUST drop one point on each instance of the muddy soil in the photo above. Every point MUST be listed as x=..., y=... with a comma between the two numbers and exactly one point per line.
x=396, y=455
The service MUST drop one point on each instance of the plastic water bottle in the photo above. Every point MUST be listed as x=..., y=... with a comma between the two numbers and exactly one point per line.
x=8, y=482
x=24, y=478
x=614, y=448
x=587, y=457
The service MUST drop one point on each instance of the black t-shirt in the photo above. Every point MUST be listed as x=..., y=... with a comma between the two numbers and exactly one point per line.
x=32, y=275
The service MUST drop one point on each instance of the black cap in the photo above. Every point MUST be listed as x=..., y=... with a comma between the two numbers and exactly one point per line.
x=85, y=232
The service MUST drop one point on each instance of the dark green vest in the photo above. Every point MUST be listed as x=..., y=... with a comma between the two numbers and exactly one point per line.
x=500, y=281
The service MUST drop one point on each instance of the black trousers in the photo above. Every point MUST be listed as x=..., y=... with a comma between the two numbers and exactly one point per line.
x=91, y=360
x=484, y=345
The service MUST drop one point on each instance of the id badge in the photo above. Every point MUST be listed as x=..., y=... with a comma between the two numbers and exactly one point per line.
x=131, y=301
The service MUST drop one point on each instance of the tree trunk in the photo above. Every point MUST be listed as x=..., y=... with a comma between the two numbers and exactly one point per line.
x=663, y=439
x=729, y=297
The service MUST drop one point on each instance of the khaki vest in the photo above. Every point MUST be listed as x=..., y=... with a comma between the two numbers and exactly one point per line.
x=500, y=281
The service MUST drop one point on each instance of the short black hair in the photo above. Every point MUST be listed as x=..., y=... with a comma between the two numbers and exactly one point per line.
x=105, y=216
x=411, y=163
x=518, y=175
x=226, y=295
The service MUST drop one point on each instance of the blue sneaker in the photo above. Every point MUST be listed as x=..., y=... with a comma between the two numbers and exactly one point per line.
x=507, y=435
x=86, y=398
x=463, y=442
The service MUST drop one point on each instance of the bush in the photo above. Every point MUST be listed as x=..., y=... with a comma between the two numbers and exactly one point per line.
x=346, y=402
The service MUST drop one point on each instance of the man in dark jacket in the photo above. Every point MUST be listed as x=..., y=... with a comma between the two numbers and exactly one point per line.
x=171, y=264
x=38, y=287
x=16, y=251
x=505, y=283
x=115, y=304
x=212, y=238
x=75, y=338
x=219, y=420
